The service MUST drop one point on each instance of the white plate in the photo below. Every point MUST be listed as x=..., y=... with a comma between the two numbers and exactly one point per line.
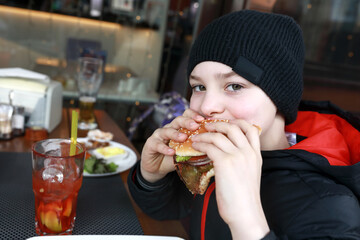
x=123, y=163
x=105, y=237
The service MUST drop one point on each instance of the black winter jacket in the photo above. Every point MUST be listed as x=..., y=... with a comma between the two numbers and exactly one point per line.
x=308, y=191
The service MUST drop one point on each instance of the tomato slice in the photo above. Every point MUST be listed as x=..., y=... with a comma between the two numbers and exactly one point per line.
x=196, y=158
x=87, y=155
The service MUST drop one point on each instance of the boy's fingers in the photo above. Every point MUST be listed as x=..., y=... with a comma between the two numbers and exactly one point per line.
x=183, y=122
x=193, y=115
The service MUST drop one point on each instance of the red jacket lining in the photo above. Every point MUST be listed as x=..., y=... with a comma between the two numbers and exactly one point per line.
x=328, y=135
x=205, y=207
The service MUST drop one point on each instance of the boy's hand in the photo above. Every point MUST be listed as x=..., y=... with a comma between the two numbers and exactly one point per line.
x=234, y=148
x=157, y=156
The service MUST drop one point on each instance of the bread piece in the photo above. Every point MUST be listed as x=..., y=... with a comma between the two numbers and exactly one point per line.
x=185, y=148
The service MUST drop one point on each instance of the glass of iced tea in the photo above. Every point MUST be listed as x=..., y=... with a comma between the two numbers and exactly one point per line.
x=89, y=79
x=57, y=178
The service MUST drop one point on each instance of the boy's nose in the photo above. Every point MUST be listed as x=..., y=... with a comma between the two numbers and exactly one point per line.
x=211, y=106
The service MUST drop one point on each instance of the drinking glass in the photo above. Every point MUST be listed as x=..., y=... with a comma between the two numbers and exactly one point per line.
x=6, y=113
x=89, y=79
x=57, y=178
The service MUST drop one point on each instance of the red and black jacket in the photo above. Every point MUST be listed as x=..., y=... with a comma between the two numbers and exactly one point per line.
x=308, y=191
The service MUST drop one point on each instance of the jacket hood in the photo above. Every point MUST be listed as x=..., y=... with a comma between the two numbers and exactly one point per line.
x=329, y=136
x=331, y=144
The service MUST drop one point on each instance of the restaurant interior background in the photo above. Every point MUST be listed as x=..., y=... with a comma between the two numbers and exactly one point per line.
x=145, y=44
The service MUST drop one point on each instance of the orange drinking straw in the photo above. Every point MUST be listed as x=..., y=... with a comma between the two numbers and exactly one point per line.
x=74, y=126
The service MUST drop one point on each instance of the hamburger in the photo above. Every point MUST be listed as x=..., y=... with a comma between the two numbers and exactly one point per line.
x=193, y=167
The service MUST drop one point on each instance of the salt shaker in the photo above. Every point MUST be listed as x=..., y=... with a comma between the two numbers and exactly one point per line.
x=18, y=121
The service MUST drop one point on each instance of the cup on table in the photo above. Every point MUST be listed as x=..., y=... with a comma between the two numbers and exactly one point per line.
x=57, y=179
x=6, y=113
x=89, y=79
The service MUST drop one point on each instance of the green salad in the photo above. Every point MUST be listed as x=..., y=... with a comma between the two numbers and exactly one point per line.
x=95, y=165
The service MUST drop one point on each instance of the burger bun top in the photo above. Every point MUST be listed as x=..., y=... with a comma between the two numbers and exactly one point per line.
x=185, y=148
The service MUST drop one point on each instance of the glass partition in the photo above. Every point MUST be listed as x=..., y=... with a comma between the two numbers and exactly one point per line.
x=331, y=31
x=49, y=36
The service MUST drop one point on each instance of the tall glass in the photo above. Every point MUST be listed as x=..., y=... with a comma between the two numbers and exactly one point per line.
x=89, y=79
x=57, y=179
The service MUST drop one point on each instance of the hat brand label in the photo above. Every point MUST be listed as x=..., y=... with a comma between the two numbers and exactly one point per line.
x=248, y=70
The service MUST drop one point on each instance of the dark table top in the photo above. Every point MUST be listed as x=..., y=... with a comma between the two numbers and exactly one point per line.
x=103, y=203
x=22, y=145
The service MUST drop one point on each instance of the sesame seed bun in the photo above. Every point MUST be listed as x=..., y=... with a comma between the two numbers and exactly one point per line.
x=185, y=148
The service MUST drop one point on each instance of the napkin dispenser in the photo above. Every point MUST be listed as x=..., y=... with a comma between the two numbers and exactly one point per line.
x=41, y=97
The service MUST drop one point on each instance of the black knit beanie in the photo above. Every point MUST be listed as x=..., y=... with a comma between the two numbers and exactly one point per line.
x=266, y=49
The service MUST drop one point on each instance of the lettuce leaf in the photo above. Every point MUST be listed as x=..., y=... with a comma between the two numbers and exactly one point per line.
x=182, y=158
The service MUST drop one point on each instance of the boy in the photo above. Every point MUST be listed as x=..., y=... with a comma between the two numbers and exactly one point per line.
x=297, y=180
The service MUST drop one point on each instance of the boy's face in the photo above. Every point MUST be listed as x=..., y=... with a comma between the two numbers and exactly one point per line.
x=218, y=92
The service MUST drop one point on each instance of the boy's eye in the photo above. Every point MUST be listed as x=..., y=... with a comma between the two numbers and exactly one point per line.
x=198, y=88
x=234, y=87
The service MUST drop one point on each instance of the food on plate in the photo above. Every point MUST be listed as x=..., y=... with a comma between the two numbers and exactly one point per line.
x=110, y=151
x=94, y=165
x=97, y=134
x=94, y=144
x=98, y=139
x=194, y=168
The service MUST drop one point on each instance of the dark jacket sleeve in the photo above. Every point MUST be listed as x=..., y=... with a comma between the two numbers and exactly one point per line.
x=318, y=222
x=271, y=236
x=163, y=200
